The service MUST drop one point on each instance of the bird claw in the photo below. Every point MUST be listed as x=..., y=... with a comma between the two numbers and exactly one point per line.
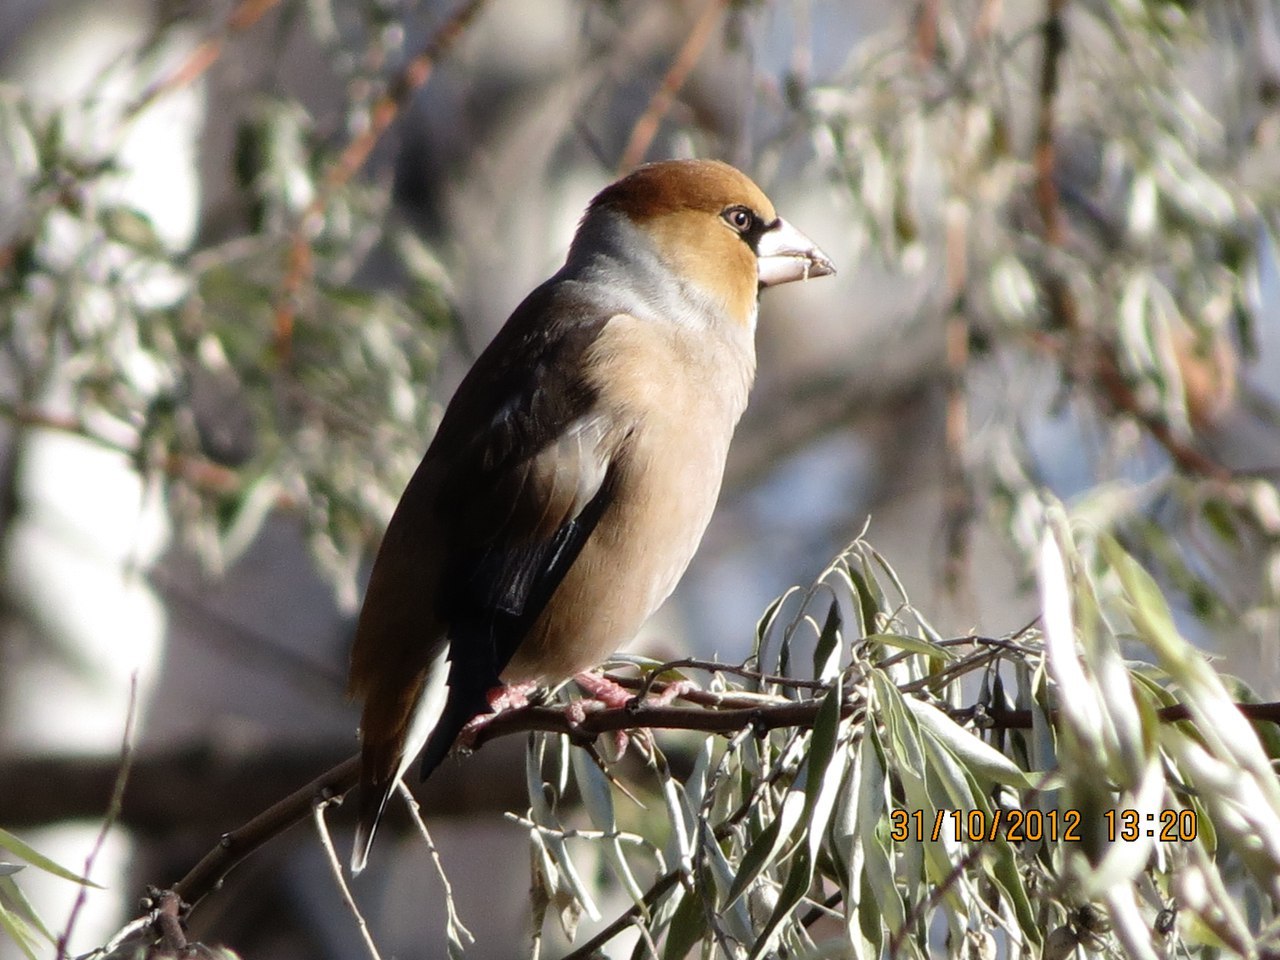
x=603, y=693
x=512, y=696
x=670, y=692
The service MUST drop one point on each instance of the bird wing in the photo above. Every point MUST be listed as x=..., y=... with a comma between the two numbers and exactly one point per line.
x=525, y=495
x=511, y=487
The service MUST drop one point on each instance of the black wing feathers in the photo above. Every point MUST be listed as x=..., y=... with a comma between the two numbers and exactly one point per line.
x=508, y=548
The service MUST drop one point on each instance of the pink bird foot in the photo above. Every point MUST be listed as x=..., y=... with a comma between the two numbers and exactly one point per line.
x=603, y=693
x=500, y=699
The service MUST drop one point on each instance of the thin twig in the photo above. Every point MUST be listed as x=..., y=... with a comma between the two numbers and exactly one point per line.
x=167, y=922
x=627, y=919
x=326, y=841
x=112, y=814
x=921, y=907
x=455, y=924
x=204, y=475
x=715, y=666
x=646, y=128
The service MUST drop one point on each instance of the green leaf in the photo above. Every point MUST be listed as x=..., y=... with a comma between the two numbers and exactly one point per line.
x=554, y=844
x=918, y=645
x=768, y=846
x=19, y=849
x=597, y=797
x=793, y=890
x=879, y=903
x=12, y=924
x=688, y=927
x=12, y=898
x=826, y=653
x=868, y=595
x=132, y=228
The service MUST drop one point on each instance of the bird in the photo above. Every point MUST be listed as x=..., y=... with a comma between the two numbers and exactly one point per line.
x=575, y=469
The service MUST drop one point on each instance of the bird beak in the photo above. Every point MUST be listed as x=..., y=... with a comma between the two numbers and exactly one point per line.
x=785, y=254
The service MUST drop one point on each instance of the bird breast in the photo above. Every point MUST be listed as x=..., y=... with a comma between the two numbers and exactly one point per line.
x=677, y=397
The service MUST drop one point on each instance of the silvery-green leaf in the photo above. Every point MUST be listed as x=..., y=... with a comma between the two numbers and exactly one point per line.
x=796, y=885
x=910, y=644
x=981, y=758
x=767, y=847
x=597, y=797
x=18, y=932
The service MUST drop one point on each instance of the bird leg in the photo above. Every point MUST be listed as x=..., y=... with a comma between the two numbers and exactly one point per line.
x=510, y=696
x=608, y=694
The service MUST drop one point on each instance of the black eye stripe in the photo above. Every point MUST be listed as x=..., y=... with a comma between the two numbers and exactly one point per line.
x=747, y=222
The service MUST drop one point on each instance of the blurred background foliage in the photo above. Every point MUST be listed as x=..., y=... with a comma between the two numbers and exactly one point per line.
x=247, y=248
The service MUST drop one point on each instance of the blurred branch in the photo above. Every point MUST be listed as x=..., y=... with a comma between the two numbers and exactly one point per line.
x=203, y=474
x=776, y=428
x=245, y=15
x=957, y=489
x=1099, y=363
x=1055, y=44
x=383, y=113
x=200, y=789
x=646, y=128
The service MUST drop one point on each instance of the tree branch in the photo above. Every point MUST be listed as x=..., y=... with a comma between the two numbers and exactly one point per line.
x=646, y=127
x=233, y=847
x=383, y=113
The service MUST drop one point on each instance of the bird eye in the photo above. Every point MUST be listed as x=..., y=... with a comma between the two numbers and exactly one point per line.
x=740, y=218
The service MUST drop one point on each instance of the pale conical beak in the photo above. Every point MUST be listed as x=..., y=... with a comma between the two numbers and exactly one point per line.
x=785, y=254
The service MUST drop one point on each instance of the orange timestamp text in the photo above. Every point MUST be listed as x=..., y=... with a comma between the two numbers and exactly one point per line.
x=1055, y=826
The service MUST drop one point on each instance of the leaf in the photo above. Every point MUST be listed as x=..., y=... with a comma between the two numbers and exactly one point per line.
x=868, y=596
x=880, y=904
x=733, y=914
x=551, y=840
x=917, y=645
x=764, y=627
x=905, y=752
x=597, y=797
x=688, y=927
x=132, y=228
x=793, y=890
x=12, y=897
x=19, y=849
x=767, y=847
x=826, y=653
x=968, y=747
x=12, y=924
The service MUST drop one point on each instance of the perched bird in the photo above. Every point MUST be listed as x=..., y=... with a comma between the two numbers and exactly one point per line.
x=576, y=467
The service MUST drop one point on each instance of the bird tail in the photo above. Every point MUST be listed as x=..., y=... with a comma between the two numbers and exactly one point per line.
x=383, y=764
x=373, y=800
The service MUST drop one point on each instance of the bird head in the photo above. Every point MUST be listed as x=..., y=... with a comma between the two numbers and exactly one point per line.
x=707, y=227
